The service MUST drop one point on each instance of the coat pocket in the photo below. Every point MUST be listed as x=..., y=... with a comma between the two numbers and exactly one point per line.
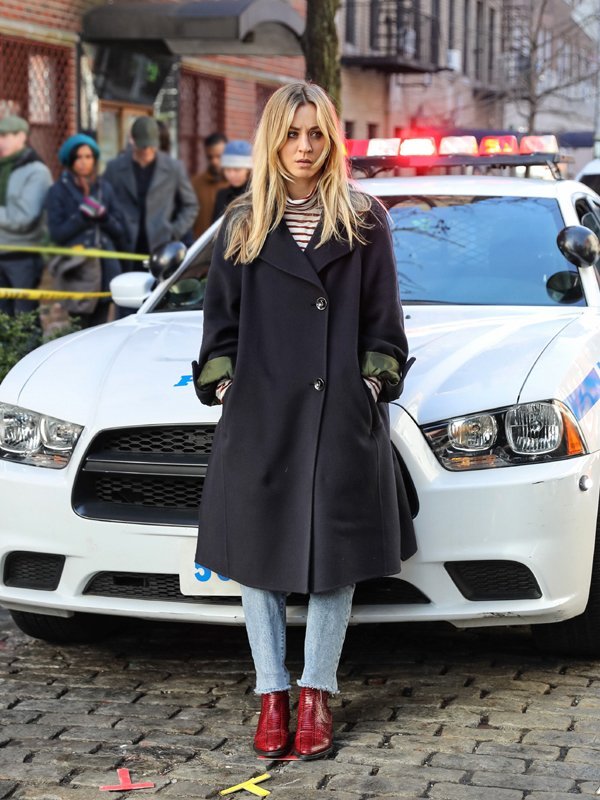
x=374, y=418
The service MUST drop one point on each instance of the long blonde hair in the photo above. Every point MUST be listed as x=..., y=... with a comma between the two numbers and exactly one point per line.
x=251, y=218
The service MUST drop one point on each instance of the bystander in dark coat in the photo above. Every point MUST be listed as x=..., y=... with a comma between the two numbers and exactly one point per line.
x=206, y=184
x=153, y=190
x=83, y=210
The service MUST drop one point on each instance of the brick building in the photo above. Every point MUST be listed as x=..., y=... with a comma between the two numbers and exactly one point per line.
x=51, y=73
x=72, y=64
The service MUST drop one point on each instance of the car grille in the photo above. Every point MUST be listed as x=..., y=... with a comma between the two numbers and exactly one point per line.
x=151, y=475
x=33, y=570
x=140, y=586
x=494, y=580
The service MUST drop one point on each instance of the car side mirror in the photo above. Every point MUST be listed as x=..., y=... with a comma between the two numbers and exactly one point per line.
x=131, y=289
x=579, y=245
x=166, y=258
x=565, y=287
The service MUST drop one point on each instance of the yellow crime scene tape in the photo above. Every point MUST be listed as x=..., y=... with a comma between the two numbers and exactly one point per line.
x=72, y=251
x=49, y=294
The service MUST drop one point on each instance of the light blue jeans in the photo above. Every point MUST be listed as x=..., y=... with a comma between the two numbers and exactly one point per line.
x=326, y=623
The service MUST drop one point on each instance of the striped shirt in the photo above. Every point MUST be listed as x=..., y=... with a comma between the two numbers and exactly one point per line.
x=302, y=217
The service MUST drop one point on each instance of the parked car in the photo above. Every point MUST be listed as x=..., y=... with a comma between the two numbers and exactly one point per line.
x=103, y=444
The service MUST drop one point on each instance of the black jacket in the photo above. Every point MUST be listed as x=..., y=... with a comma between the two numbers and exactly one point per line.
x=302, y=492
x=225, y=196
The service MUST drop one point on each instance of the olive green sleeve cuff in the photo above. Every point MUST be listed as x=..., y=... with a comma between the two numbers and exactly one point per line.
x=378, y=365
x=215, y=370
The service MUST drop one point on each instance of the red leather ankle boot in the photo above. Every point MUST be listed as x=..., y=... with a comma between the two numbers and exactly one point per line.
x=272, y=733
x=314, y=734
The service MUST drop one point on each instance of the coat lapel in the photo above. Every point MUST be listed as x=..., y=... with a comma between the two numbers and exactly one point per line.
x=126, y=169
x=161, y=170
x=281, y=251
x=333, y=249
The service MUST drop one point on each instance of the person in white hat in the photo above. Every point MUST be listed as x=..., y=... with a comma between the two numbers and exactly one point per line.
x=236, y=164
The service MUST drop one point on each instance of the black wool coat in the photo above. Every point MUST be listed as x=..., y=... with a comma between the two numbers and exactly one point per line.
x=302, y=493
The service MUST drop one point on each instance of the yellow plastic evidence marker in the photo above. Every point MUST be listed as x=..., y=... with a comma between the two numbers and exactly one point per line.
x=249, y=786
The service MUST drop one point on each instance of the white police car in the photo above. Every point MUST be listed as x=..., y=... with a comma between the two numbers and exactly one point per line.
x=103, y=444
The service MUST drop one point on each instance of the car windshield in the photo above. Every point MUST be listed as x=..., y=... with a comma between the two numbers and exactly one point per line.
x=471, y=250
x=480, y=250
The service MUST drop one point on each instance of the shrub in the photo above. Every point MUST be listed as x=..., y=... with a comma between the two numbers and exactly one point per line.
x=21, y=334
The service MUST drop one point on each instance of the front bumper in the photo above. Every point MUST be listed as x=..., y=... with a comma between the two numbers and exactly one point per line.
x=535, y=515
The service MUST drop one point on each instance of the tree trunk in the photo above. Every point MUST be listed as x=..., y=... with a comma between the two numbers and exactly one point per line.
x=320, y=45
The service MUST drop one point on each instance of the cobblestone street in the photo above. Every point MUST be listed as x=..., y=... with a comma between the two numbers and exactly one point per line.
x=424, y=711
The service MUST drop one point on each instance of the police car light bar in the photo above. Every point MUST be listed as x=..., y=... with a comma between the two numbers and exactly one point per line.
x=377, y=155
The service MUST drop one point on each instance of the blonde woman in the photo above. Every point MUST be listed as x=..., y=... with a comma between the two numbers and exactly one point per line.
x=304, y=346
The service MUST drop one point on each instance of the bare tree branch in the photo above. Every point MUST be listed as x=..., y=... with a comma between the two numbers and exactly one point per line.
x=540, y=43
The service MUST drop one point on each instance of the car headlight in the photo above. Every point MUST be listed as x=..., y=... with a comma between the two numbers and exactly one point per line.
x=30, y=438
x=522, y=434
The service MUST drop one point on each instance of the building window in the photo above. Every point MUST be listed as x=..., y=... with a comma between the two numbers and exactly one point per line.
x=349, y=129
x=372, y=130
x=38, y=83
x=350, y=26
x=451, y=24
x=374, y=25
x=435, y=32
x=41, y=81
x=479, y=41
x=491, y=45
x=262, y=95
x=201, y=112
x=466, y=21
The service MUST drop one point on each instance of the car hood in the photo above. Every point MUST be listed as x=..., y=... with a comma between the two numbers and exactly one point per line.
x=474, y=358
x=137, y=371
x=131, y=372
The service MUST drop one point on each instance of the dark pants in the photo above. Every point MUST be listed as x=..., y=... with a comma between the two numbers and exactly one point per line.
x=20, y=272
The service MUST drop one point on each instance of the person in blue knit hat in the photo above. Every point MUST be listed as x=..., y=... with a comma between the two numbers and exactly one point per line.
x=236, y=163
x=83, y=210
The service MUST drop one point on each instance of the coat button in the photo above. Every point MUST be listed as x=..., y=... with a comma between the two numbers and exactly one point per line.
x=319, y=384
x=321, y=303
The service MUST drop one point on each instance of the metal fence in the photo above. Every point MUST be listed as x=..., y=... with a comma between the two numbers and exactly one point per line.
x=37, y=81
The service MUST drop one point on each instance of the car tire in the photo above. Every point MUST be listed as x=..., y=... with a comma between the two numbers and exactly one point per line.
x=579, y=636
x=78, y=629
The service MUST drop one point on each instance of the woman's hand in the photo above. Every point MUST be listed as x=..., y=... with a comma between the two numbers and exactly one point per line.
x=221, y=390
x=92, y=208
x=373, y=385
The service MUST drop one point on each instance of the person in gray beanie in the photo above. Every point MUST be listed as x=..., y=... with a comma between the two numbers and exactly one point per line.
x=236, y=164
x=24, y=183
